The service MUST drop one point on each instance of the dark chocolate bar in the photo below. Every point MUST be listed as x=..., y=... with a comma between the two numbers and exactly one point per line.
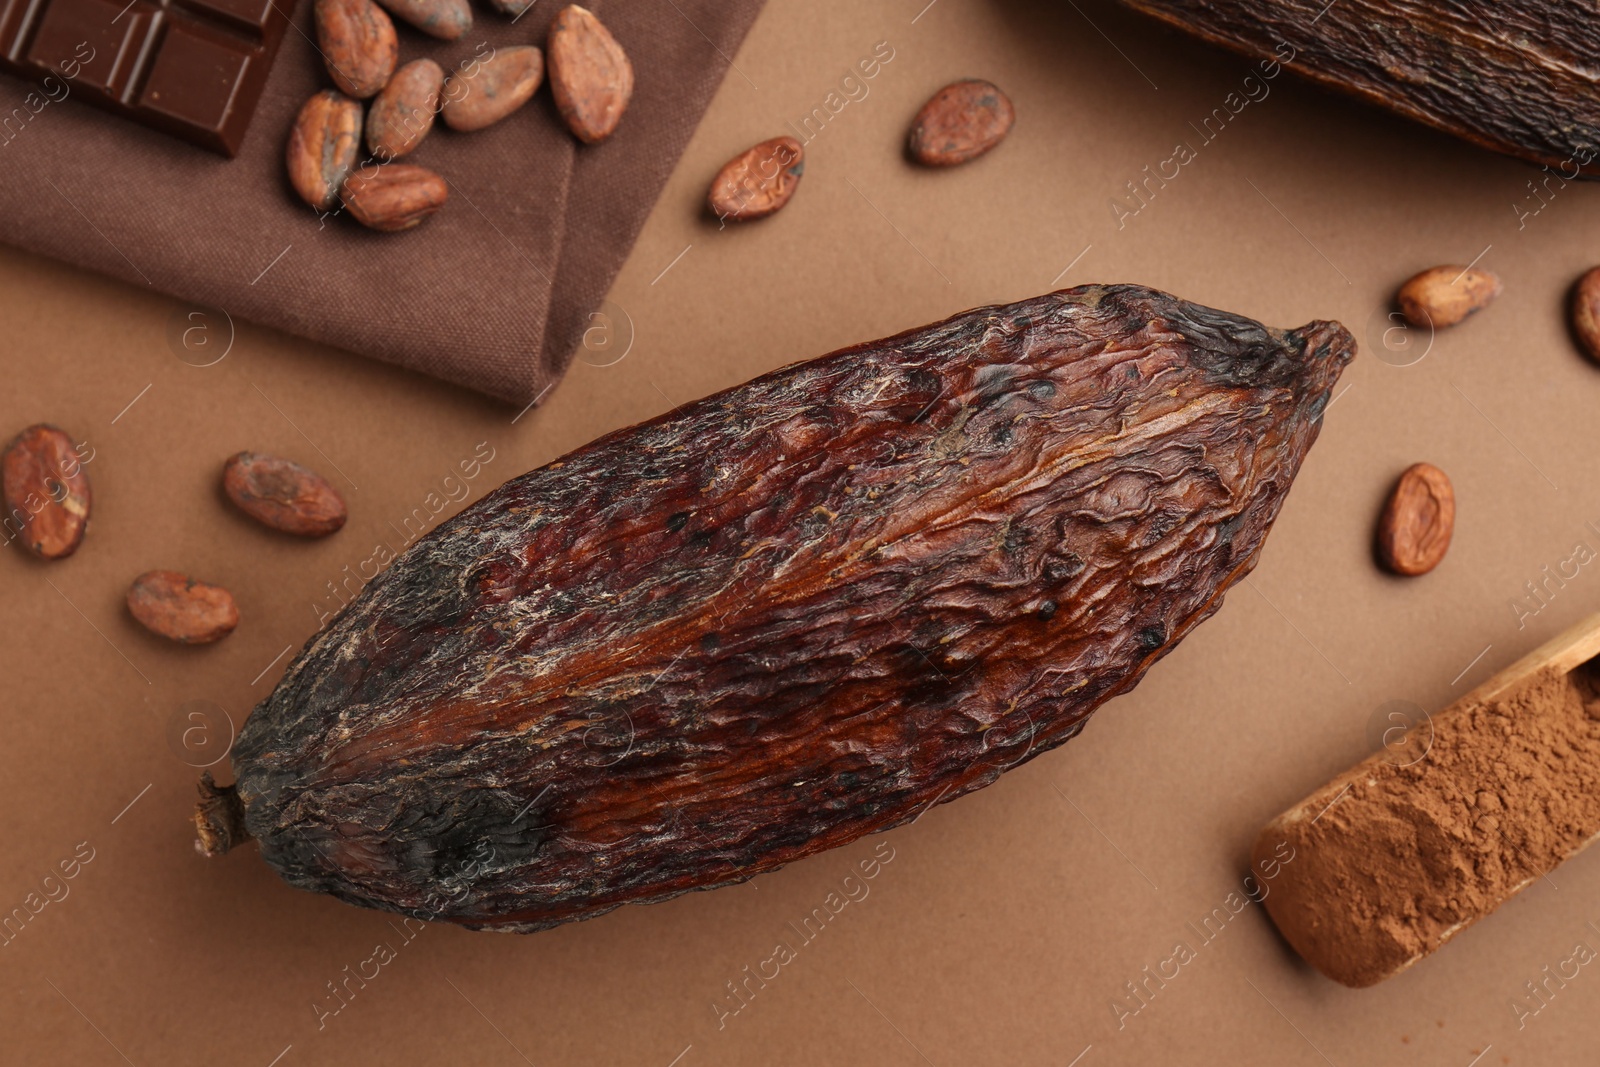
x=191, y=68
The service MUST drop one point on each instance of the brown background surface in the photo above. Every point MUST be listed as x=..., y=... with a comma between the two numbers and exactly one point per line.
x=1006, y=923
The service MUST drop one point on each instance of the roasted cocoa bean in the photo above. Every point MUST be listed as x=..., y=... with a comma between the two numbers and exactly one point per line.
x=590, y=75
x=181, y=608
x=1586, y=314
x=358, y=45
x=482, y=92
x=46, y=492
x=962, y=121
x=758, y=181
x=394, y=196
x=323, y=144
x=402, y=115
x=282, y=494
x=1418, y=519
x=1443, y=296
x=774, y=620
x=444, y=19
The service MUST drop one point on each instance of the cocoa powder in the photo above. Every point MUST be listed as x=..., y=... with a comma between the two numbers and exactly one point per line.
x=1404, y=856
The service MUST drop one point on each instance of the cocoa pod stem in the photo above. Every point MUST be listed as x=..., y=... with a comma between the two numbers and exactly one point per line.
x=218, y=818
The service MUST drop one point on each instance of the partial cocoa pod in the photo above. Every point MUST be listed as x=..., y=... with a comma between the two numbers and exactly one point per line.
x=590, y=75
x=402, y=115
x=962, y=121
x=358, y=45
x=323, y=144
x=1443, y=296
x=282, y=494
x=758, y=181
x=1586, y=314
x=481, y=92
x=777, y=619
x=444, y=19
x=394, y=196
x=182, y=609
x=46, y=492
x=1414, y=531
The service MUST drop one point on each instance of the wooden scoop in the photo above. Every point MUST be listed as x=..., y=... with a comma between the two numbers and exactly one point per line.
x=1392, y=858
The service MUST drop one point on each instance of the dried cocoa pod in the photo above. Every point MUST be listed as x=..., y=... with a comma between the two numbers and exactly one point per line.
x=1586, y=314
x=182, y=609
x=393, y=196
x=358, y=45
x=962, y=121
x=1513, y=76
x=402, y=115
x=590, y=74
x=1418, y=519
x=758, y=181
x=492, y=88
x=322, y=149
x=282, y=494
x=774, y=620
x=444, y=19
x=46, y=492
x=1443, y=296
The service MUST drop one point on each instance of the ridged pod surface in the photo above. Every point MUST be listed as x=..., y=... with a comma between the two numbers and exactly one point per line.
x=787, y=615
x=1514, y=76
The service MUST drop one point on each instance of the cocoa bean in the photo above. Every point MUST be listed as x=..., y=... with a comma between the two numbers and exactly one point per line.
x=758, y=181
x=770, y=622
x=1443, y=296
x=444, y=19
x=323, y=143
x=1414, y=531
x=590, y=75
x=182, y=609
x=482, y=92
x=514, y=8
x=962, y=121
x=1586, y=313
x=282, y=494
x=402, y=115
x=394, y=196
x=46, y=492
x=358, y=45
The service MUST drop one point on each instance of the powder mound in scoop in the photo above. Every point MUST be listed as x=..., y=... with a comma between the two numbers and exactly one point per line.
x=1408, y=855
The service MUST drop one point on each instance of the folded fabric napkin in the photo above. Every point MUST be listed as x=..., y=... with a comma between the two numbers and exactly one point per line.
x=492, y=293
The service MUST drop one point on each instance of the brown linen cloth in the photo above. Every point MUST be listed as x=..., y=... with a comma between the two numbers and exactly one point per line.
x=492, y=293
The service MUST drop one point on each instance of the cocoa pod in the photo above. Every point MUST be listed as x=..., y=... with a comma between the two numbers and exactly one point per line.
x=758, y=181
x=358, y=45
x=402, y=115
x=962, y=121
x=1469, y=68
x=493, y=88
x=393, y=196
x=181, y=608
x=444, y=19
x=774, y=620
x=282, y=494
x=1418, y=519
x=323, y=143
x=590, y=75
x=46, y=492
x=1586, y=314
x=1443, y=296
